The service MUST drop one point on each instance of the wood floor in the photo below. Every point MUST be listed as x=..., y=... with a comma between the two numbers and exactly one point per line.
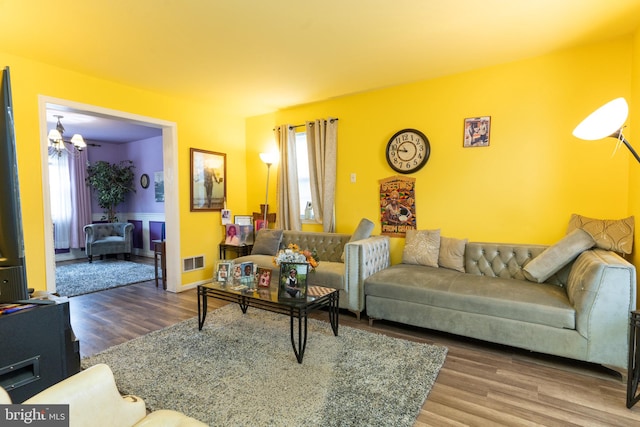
x=480, y=384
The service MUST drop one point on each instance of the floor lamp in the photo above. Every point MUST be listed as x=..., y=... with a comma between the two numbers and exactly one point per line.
x=606, y=121
x=268, y=159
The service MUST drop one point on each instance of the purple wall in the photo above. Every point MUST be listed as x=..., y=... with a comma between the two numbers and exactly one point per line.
x=147, y=158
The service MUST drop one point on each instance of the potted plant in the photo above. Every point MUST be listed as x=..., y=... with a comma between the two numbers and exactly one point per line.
x=112, y=182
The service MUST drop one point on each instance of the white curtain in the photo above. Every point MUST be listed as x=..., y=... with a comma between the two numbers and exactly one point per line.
x=60, y=199
x=322, y=138
x=288, y=217
x=80, y=199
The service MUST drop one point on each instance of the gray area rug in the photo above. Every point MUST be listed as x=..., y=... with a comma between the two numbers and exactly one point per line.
x=84, y=278
x=240, y=370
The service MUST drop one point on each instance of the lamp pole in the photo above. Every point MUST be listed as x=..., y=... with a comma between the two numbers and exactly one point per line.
x=266, y=200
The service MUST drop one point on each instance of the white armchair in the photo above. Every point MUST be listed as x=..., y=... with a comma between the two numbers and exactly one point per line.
x=94, y=400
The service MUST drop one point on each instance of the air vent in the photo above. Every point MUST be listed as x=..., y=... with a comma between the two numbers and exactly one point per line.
x=194, y=263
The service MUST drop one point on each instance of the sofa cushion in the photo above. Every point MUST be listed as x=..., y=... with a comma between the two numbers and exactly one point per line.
x=558, y=255
x=451, y=253
x=267, y=242
x=609, y=234
x=421, y=247
x=513, y=299
x=363, y=231
x=329, y=274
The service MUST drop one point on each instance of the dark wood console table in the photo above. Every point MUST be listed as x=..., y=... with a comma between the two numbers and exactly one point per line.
x=241, y=250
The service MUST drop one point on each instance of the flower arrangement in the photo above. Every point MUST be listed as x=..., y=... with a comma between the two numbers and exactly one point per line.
x=294, y=254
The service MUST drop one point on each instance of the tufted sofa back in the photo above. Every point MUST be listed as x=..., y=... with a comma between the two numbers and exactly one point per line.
x=329, y=246
x=506, y=261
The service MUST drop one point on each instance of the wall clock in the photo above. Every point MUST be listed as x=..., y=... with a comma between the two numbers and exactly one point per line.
x=144, y=180
x=408, y=151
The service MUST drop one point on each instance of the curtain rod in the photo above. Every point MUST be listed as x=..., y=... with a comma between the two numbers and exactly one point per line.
x=298, y=126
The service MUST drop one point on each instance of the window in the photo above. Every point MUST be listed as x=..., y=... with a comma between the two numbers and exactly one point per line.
x=304, y=180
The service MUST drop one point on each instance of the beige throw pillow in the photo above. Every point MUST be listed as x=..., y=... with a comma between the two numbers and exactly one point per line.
x=452, y=253
x=610, y=234
x=422, y=247
x=557, y=256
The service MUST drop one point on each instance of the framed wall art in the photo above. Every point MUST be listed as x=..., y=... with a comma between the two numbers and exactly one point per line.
x=477, y=131
x=208, y=180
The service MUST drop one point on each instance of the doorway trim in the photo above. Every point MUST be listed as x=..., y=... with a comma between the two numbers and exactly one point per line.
x=170, y=165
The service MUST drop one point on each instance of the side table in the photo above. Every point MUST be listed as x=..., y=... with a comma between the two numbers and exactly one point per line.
x=633, y=371
x=241, y=250
x=160, y=253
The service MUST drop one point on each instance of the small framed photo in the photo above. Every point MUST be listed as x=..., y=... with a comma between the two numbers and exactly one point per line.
x=208, y=180
x=477, y=131
x=232, y=235
x=243, y=219
x=246, y=234
x=293, y=281
x=264, y=277
x=237, y=271
x=247, y=269
x=225, y=215
x=260, y=224
x=223, y=271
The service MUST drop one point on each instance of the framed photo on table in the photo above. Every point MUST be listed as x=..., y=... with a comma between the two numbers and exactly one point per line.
x=264, y=277
x=208, y=180
x=223, y=271
x=292, y=284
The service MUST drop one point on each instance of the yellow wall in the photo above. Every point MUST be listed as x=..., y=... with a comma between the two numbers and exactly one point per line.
x=197, y=126
x=521, y=189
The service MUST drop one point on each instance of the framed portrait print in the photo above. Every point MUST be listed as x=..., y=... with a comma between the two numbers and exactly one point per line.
x=223, y=271
x=477, y=131
x=293, y=281
x=264, y=277
x=208, y=180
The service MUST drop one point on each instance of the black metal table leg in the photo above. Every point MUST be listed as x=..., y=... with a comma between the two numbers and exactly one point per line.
x=633, y=369
x=334, y=312
x=302, y=336
x=202, y=301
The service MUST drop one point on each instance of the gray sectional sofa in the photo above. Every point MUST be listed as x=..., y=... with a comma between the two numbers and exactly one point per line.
x=344, y=262
x=580, y=312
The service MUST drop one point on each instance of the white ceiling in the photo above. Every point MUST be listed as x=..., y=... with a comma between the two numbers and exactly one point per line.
x=249, y=57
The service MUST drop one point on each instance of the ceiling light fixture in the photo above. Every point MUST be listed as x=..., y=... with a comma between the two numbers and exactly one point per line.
x=56, y=142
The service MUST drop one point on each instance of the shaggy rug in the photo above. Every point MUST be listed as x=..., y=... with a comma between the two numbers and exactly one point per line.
x=84, y=278
x=240, y=370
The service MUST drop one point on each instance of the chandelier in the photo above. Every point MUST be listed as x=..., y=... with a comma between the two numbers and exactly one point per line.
x=57, y=144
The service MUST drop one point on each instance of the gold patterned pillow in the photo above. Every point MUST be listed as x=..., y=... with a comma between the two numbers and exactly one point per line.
x=421, y=247
x=610, y=234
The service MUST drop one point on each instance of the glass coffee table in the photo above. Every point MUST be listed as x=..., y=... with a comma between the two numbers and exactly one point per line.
x=267, y=299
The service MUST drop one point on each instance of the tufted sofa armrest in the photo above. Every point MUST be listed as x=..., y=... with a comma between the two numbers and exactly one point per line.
x=362, y=259
x=602, y=290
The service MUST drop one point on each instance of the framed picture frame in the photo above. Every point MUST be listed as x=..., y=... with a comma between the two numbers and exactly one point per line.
x=223, y=271
x=232, y=235
x=243, y=219
x=264, y=277
x=208, y=180
x=477, y=131
x=247, y=269
x=292, y=283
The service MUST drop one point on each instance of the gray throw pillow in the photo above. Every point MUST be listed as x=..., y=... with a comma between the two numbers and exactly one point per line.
x=363, y=231
x=452, y=253
x=267, y=242
x=558, y=255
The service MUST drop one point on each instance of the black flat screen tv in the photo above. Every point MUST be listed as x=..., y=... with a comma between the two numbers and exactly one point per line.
x=13, y=281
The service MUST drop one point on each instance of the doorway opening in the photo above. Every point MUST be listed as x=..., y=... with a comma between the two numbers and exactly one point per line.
x=170, y=157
